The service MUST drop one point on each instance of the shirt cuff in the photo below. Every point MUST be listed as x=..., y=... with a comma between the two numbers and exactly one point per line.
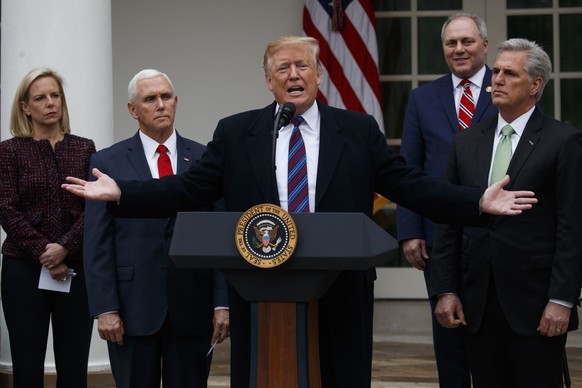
x=562, y=303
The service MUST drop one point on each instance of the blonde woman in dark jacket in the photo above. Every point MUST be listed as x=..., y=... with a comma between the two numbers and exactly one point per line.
x=44, y=235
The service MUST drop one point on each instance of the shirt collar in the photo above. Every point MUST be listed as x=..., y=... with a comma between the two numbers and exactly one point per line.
x=518, y=124
x=150, y=145
x=476, y=79
x=310, y=117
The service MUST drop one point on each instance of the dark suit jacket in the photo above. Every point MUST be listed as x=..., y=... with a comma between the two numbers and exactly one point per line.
x=126, y=260
x=430, y=123
x=532, y=257
x=354, y=162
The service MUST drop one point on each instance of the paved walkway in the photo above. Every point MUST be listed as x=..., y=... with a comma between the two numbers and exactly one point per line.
x=395, y=365
x=399, y=361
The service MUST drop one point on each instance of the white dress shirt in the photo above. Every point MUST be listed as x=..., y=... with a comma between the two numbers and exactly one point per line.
x=150, y=149
x=310, y=133
x=475, y=86
x=518, y=126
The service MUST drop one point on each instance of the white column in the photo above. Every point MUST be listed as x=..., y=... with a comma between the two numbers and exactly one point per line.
x=74, y=38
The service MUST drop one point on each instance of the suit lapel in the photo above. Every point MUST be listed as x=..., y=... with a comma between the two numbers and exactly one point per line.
x=259, y=150
x=484, y=97
x=447, y=100
x=484, y=150
x=527, y=143
x=331, y=144
x=185, y=157
x=137, y=159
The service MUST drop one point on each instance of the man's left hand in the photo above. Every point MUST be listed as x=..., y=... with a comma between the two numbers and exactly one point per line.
x=497, y=201
x=554, y=320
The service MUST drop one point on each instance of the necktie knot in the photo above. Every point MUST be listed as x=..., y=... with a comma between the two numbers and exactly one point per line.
x=465, y=83
x=296, y=121
x=162, y=149
x=507, y=130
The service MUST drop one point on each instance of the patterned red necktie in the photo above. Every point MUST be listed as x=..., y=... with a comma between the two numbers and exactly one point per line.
x=467, y=106
x=164, y=164
x=297, y=188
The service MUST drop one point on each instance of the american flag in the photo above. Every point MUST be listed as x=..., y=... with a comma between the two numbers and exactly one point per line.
x=346, y=31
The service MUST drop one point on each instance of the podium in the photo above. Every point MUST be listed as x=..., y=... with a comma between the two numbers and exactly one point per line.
x=284, y=340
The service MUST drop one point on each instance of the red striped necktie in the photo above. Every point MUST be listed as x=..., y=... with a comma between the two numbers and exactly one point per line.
x=467, y=106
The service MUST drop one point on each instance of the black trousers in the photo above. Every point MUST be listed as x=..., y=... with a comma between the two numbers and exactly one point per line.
x=176, y=360
x=28, y=311
x=449, y=347
x=501, y=358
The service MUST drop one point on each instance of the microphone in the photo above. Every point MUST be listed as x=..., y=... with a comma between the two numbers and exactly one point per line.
x=282, y=118
x=284, y=115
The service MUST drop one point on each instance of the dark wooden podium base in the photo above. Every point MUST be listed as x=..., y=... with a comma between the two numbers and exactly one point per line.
x=284, y=345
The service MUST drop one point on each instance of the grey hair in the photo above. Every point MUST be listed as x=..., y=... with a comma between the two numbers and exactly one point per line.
x=144, y=74
x=479, y=22
x=538, y=63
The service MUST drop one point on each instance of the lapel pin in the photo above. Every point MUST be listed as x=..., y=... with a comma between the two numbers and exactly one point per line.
x=186, y=159
x=488, y=89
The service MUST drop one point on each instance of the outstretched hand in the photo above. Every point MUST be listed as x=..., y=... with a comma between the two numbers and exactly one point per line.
x=102, y=189
x=497, y=201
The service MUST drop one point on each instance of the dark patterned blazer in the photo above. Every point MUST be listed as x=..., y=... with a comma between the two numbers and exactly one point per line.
x=34, y=210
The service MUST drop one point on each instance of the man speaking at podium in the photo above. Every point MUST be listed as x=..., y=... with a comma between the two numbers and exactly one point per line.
x=347, y=159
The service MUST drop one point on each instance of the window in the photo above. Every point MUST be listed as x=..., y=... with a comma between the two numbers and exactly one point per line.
x=410, y=53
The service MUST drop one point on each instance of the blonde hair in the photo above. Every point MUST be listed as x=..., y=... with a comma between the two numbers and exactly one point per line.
x=309, y=43
x=20, y=122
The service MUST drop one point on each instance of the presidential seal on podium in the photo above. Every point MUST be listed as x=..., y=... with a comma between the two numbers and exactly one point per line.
x=266, y=236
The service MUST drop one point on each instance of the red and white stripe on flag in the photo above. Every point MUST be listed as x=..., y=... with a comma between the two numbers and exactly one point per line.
x=346, y=31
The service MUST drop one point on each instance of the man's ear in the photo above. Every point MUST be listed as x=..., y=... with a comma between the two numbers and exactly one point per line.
x=131, y=109
x=536, y=86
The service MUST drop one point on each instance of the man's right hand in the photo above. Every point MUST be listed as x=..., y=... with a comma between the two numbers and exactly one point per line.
x=110, y=328
x=102, y=189
x=415, y=252
x=449, y=311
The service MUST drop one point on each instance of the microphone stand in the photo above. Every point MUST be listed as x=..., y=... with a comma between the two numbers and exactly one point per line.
x=283, y=117
x=274, y=189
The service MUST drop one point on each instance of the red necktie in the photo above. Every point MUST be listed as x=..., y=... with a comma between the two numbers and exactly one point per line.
x=297, y=189
x=164, y=164
x=467, y=106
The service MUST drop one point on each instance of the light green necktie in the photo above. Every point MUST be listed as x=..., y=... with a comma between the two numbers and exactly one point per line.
x=502, y=155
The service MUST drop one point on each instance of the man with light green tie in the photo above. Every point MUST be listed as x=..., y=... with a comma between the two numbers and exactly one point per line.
x=514, y=282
